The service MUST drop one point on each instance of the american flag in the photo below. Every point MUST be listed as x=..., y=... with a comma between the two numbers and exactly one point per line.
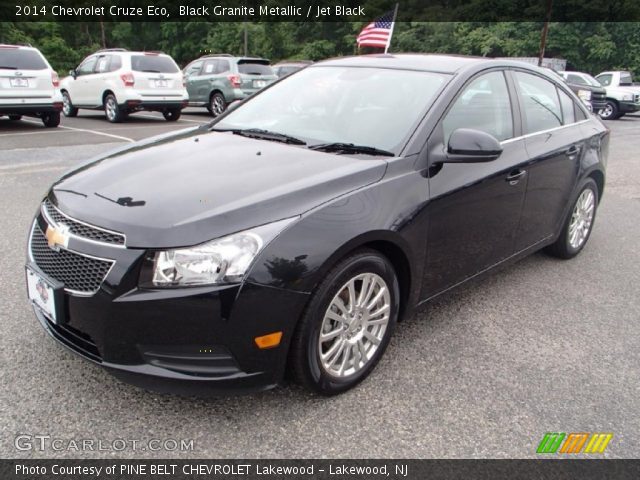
x=378, y=32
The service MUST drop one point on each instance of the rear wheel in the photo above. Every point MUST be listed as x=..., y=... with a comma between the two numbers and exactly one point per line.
x=172, y=115
x=217, y=104
x=579, y=223
x=15, y=118
x=67, y=107
x=610, y=111
x=51, y=119
x=112, y=110
x=347, y=325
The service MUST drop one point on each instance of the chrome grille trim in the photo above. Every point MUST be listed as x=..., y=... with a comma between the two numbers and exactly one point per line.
x=50, y=211
x=80, y=293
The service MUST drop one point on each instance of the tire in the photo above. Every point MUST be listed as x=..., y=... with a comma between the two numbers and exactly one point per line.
x=15, y=118
x=172, y=115
x=610, y=111
x=51, y=119
x=217, y=104
x=67, y=107
x=582, y=211
x=342, y=367
x=111, y=109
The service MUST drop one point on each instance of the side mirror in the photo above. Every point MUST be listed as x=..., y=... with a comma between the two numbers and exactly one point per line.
x=73, y=73
x=467, y=145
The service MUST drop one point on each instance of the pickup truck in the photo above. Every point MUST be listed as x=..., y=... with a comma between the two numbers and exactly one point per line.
x=587, y=88
x=622, y=96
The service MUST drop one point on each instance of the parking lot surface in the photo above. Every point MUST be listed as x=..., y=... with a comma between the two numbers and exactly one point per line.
x=485, y=371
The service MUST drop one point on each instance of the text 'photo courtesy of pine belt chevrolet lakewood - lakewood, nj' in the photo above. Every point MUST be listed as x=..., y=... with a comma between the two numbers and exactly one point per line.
x=294, y=231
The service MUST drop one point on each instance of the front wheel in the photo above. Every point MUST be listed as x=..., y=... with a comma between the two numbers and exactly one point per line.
x=172, y=115
x=67, y=107
x=51, y=119
x=610, y=111
x=347, y=324
x=579, y=222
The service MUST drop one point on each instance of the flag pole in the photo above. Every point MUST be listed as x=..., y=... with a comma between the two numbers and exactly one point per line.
x=393, y=24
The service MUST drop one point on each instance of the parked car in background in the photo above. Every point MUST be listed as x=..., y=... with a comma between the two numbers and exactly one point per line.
x=587, y=88
x=284, y=68
x=28, y=85
x=216, y=80
x=295, y=231
x=622, y=96
x=121, y=82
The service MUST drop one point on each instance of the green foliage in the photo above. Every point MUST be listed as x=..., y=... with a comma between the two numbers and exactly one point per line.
x=587, y=46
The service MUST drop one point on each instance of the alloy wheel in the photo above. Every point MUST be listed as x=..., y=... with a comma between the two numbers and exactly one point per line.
x=217, y=105
x=111, y=108
x=354, y=325
x=581, y=218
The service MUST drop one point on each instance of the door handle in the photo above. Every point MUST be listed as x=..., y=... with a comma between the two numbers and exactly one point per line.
x=514, y=177
x=573, y=150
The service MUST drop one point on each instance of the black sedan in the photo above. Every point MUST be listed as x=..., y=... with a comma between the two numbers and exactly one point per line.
x=291, y=234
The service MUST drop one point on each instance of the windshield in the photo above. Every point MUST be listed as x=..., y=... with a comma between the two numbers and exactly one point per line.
x=365, y=106
x=20, y=59
x=591, y=81
x=153, y=63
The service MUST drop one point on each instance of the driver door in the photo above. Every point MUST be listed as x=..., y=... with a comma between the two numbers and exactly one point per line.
x=474, y=208
x=79, y=89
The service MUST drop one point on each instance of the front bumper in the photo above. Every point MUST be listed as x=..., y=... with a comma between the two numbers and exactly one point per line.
x=629, y=107
x=195, y=341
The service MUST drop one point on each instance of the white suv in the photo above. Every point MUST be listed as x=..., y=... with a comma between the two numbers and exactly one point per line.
x=122, y=82
x=28, y=85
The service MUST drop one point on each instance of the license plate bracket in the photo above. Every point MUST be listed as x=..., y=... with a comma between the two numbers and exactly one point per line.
x=45, y=294
x=162, y=83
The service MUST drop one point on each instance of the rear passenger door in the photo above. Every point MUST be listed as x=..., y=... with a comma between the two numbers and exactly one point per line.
x=191, y=75
x=554, y=143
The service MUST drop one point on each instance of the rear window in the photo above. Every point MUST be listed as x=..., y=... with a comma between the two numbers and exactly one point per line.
x=254, y=68
x=20, y=59
x=625, y=78
x=153, y=63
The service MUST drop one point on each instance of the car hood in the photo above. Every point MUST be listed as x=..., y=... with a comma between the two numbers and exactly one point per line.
x=187, y=188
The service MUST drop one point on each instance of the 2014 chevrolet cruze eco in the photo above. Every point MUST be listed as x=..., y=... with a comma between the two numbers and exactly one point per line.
x=293, y=232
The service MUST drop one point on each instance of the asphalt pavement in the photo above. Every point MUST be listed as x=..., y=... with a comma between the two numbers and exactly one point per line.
x=485, y=371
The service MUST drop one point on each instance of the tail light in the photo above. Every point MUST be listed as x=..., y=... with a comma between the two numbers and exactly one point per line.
x=127, y=79
x=55, y=79
x=235, y=80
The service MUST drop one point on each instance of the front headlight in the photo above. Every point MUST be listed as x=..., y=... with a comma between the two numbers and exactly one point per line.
x=627, y=97
x=584, y=95
x=223, y=260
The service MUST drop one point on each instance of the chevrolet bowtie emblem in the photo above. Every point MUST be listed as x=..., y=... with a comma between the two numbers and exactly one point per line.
x=57, y=236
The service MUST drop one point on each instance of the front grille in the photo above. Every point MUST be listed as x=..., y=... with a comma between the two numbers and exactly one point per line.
x=79, y=273
x=599, y=96
x=81, y=229
x=637, y=98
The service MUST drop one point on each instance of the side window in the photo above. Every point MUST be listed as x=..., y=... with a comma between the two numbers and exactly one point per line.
x=116, y=63
x=223, y=66
x=577, y=79
x=568, y=112
x=102, y=65
x=193, y=69
x=540, y=103
x=209, y=67
x=483, y=105
x=87, y=66
x=605, y=80
x=580, y=115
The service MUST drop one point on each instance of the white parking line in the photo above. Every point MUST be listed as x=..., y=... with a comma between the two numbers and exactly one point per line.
x=95, y=132
x=181, y=119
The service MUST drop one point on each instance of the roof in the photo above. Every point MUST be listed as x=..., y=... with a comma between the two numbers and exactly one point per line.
x=409, y=61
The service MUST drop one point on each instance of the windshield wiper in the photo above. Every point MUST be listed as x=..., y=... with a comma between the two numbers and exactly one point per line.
x=7, y=67
x=351, y=148
x=263, y=134
x=151, y=71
